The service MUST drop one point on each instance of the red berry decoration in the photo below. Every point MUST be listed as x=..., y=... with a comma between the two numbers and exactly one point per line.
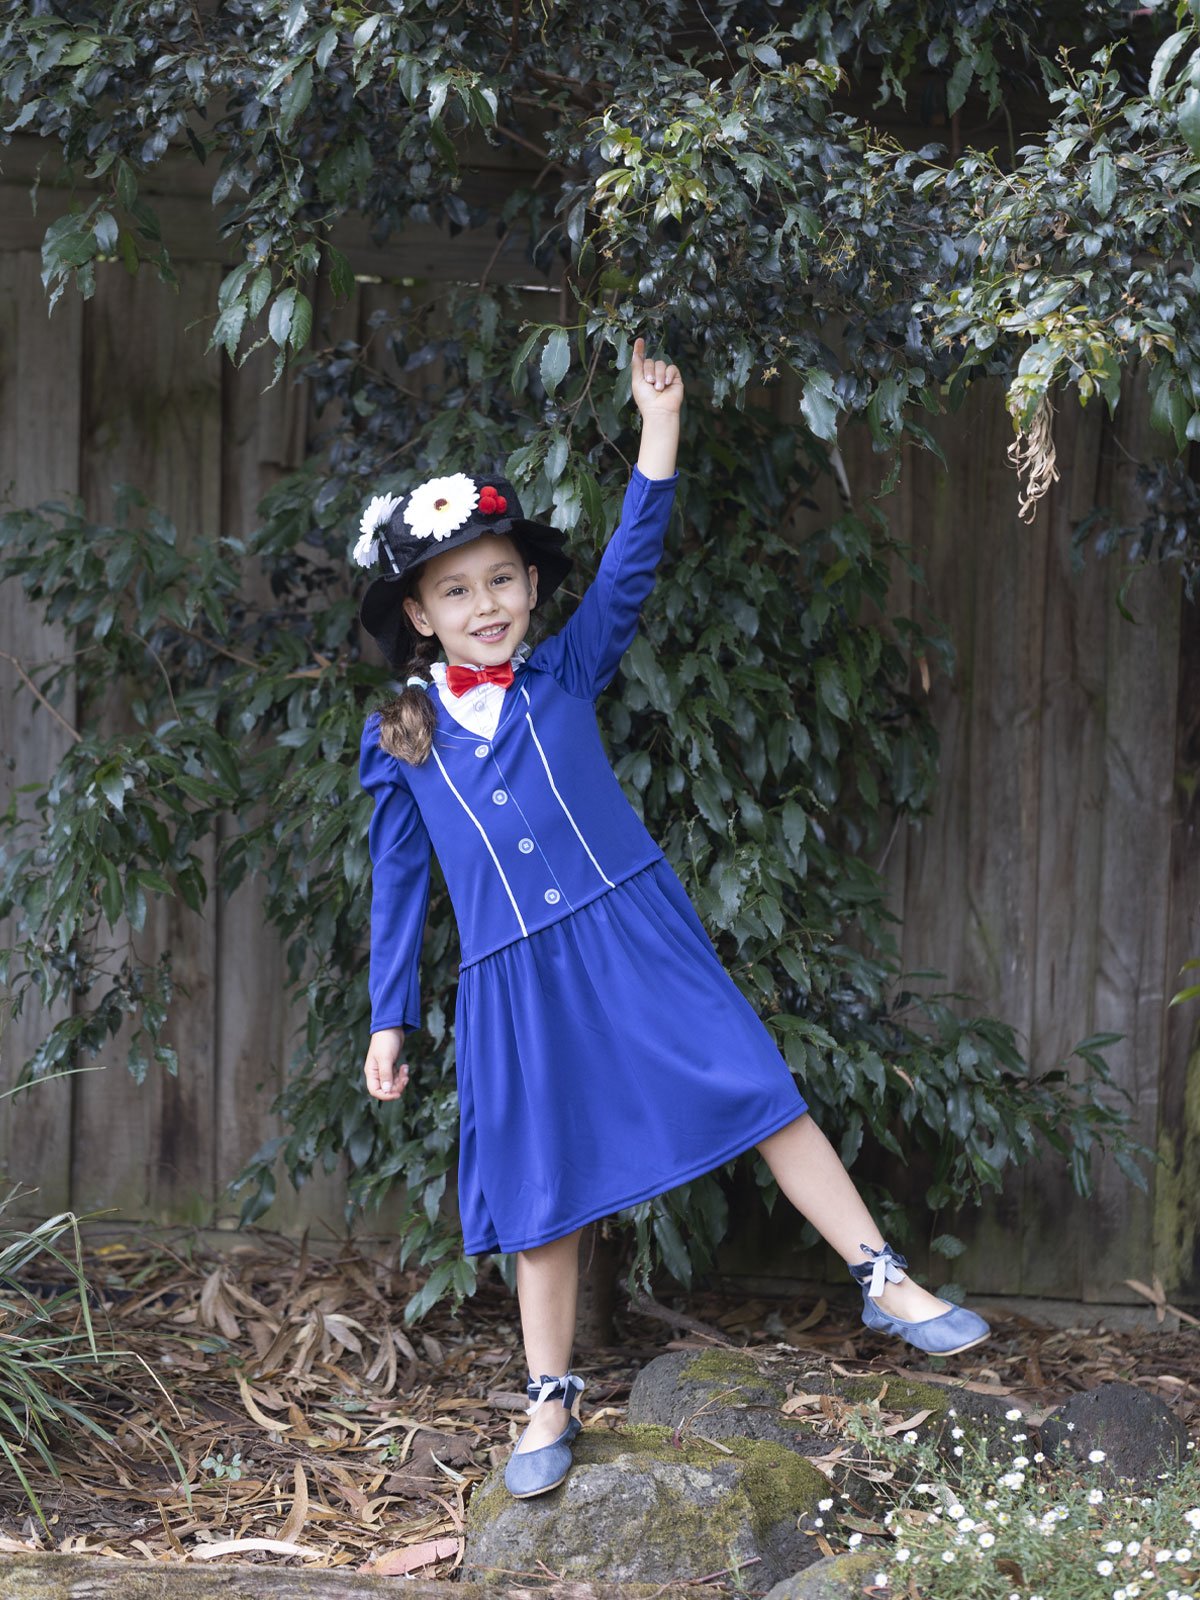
x=491, y=503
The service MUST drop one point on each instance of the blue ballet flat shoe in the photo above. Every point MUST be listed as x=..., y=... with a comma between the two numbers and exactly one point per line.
x=530, y=1472
x=956, y=1330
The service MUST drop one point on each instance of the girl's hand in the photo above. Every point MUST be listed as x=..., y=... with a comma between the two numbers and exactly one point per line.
x=386, y=1081
x=657, y=388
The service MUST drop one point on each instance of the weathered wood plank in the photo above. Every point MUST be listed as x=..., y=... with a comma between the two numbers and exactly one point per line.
x=152, y=416
x=1177, y=1182
x=1071, y=679
x=39, y=398
x=1139, y=759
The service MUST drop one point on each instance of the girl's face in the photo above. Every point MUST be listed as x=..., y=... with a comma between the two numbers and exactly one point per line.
x=476, y=599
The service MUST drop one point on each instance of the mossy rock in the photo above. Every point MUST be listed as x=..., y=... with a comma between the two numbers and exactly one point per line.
x=727, y=1394
x=636, y=1508
x=842, y=1577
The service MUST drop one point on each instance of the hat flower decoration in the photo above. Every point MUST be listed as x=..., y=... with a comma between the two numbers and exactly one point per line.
x=366, y=551
x=440, y=505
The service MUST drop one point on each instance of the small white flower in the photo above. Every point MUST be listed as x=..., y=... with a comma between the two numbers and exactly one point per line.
x=903, y=1553
x=1119, y=1594
x=1095, y=1496
x=1020, y=1461
x=1018, y=1438
x=954, y=1511
x=1146, y=1572
x=440, y=505
x=1038, y=1456
x=958, y=1449
x=1104, y=1568
x=855, y=1538
x=1070, y=1427
x=1013, y=1415
x=818, y=1522
x=987, y=1540
x=952, y=1412
x=990, y=1505
x=1095, y=1455
x=1013, y=1480
x=965, y=1524
x=911, y=1436
x=1162, y=1555
x=1183, y=1554
x=1132, y=1548
x=1003, y=1518
x=1192, y=1517
x=824, y=1505
x=881, y=1580
x=948, y=1556
x=1114, y=1547
x=956, y=1433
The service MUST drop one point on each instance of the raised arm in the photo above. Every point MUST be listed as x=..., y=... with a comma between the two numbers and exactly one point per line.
x=400, y=853
x=584, y=655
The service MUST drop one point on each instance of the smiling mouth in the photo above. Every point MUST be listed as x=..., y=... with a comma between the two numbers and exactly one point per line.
x=493, y=632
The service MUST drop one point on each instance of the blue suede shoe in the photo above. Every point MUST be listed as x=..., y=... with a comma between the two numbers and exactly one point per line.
x=957, y=1330
x=530, y=1472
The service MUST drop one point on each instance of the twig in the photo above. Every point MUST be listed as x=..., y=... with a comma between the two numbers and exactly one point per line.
x=678, y=1319
x=37, y=693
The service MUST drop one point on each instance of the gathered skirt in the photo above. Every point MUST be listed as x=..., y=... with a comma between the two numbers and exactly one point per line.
x=602, y=1061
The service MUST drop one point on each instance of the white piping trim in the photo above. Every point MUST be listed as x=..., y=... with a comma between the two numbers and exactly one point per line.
x=563, y=803
x=487, y=842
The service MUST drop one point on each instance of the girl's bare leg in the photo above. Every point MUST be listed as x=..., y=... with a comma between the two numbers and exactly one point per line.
x=806, y=1167
x=548, y=1290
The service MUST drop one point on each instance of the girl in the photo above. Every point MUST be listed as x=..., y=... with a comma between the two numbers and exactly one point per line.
x=603, y=1054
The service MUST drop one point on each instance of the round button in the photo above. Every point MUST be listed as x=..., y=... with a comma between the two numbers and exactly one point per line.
x=499, y=796
x=481, y=749
x=525, y=846
x=479, y=704
x=551, y=897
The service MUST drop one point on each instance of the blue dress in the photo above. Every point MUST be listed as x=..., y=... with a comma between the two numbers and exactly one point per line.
x=603, y=1053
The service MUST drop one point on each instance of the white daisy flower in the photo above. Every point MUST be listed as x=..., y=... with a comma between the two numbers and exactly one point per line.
x=1104, y=1568
x=855, y=1538
x=948, y=1556
x=366, y=551
x=987, y=1540
x=1095, y=1455
x=824, y=1505
x=1013, y=1415
x=440, y=505
x=1095, y=1496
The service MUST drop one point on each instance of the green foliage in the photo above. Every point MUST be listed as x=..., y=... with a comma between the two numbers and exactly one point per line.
x=762, y=724
x=712, y=186
x=46, y=1356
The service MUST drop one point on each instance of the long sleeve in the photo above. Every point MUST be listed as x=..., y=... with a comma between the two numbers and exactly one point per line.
x=400, y=854
x=584, y=654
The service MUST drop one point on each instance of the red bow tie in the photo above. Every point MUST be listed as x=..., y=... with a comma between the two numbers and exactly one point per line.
x=460, y=679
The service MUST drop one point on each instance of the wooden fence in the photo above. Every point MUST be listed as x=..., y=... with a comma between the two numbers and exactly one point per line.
x=1057, y=880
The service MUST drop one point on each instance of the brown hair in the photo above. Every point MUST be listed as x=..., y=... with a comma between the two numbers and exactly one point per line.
x=407, y=721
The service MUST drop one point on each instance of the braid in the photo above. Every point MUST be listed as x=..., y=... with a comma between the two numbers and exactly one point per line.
x=408, y=720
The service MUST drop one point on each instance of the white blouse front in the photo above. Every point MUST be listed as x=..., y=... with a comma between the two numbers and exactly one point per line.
x=479, y=709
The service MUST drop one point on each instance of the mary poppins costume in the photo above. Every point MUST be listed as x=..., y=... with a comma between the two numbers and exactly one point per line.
x=603, y=1053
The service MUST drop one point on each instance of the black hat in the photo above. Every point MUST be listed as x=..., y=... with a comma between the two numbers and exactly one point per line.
x=440, y=514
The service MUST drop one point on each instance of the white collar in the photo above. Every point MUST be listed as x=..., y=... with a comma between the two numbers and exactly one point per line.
x=437, y=669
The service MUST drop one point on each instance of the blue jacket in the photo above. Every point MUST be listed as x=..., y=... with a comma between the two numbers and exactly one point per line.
x=529, y=825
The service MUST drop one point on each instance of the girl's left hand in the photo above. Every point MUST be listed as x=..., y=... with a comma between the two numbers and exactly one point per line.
x=656, y=387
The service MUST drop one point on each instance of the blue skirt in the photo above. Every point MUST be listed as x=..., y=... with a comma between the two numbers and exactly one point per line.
x=602, y=1061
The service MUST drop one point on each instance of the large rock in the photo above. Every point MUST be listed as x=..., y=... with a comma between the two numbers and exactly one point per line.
x=841, y=1577
x=727, y=1394
x=1139, y=1435
x=635, y=1507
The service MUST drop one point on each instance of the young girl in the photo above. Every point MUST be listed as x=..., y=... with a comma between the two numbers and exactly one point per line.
x=603, y=1054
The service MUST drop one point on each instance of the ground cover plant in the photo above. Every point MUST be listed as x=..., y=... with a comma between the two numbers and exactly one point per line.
x=993, y=1518
x=700, y=180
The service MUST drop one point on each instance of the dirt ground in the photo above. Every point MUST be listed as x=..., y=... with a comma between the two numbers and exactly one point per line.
x=269, y=1405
